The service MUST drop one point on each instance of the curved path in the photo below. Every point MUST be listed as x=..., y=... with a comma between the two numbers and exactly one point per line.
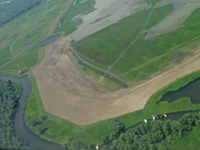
x=98, y=68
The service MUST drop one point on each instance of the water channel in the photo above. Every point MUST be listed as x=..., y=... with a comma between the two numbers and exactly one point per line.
x=20, y=129
x=34, y=141
x=46, y=42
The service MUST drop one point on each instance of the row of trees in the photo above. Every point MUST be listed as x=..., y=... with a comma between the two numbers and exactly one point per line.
x=150, y=136
x=8, y=105
x=16, y=8
x=75, y=144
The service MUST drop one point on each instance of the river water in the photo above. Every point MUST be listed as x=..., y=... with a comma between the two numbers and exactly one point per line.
x=191, y=90
x=20, y=129
x=46, y=42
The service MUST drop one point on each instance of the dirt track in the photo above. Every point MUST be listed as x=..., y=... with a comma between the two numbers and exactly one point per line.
x=67, y=94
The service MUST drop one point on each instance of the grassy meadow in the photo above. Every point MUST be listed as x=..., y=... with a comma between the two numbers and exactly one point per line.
x=6, y=39
x=105, y=46
x=144, y=57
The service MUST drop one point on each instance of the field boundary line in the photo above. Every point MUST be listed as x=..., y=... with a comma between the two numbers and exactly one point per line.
x=131, y=43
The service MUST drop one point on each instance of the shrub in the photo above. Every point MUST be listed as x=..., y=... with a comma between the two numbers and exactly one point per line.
x=112, y=136
x=117, y=127
x=104, y=138
x=40, y=129
x=43, y=117
x=198, y=123
x=75, y=144
x=64, y=146
x=104, y=148
x=33, y=122
x=69, y=138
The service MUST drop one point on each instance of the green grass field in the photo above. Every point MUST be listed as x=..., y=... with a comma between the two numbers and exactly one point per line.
x=27, y=60
x=104, y=47
x=6, y=39
x=145, y=54
x=144, y=57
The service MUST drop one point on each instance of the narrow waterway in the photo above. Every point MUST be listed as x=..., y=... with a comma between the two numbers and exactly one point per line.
x=20, y=129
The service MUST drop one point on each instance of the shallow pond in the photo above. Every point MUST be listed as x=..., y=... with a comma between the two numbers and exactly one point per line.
x=46, y=42
x=192, y=90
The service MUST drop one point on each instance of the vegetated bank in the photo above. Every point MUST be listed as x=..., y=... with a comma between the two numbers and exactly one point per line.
x=9, y=94
x=94, y=132
x=156, y=135
x=20, y=128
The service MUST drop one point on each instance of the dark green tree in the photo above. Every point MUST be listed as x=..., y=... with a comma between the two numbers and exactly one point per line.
x=117, y=127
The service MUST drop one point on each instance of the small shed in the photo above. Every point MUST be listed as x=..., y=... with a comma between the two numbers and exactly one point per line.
x=19, y=71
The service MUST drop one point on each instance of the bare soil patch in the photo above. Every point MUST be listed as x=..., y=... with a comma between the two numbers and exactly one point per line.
x=65, y=93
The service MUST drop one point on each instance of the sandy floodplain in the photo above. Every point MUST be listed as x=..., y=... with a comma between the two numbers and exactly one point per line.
x=111, y=10
x=182, y=10
x=66, y=93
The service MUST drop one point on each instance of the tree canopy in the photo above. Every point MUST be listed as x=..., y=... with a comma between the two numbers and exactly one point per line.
x=15, y=8
x=8, y=105
x=151, y=136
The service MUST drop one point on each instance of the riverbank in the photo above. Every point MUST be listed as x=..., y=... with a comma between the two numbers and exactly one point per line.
x=59, y=128
x=20, y=128
x=179, y=83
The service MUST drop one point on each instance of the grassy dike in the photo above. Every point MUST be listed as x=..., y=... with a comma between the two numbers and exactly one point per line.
x=59, y=128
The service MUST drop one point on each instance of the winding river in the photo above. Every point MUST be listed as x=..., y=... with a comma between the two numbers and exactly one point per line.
x=34, y=141
x=20, y=129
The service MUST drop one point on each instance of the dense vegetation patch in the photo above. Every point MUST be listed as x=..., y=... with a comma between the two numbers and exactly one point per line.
x=15, y=8
x=9, y=94
x=150, y=136
x=37, y=123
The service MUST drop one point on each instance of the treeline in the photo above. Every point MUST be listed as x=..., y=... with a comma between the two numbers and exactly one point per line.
x=151, y=136
x=16, y=8
x=8, y=105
